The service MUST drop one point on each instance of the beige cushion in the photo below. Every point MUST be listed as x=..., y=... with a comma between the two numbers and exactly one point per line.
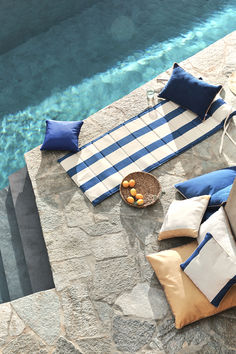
x=218, y=226
x=230, y=208
x=184, y=217
x=187, y=302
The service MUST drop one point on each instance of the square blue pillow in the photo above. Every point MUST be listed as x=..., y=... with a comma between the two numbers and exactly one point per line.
x=189, y=92
x=217, y=184
x=61, y=135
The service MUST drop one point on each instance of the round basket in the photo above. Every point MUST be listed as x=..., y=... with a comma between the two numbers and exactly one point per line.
x=146, y=184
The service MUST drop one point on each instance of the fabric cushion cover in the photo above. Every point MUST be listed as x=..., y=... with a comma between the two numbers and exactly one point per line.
x=208, y=213
x=217, y=183
x=189, y=92
x=218, y=225
x=211, y=269
x=61, y=135
x=187, y=302
x=184, y=217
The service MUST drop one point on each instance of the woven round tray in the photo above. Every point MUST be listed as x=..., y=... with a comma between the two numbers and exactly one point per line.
x=146, y=184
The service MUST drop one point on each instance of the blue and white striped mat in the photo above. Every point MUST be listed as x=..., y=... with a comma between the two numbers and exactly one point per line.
x=142, y=143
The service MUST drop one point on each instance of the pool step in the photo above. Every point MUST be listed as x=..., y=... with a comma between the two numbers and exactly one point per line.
x=14, y=276
x=4, y=291
x=28, y=221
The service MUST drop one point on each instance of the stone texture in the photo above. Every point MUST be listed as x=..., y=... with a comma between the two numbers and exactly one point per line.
x=146, y=270
x=5, y=316
x=26, y=344
x=109, y=246
x=71, y=270
x=64, y=346
x=105, y=314
x=96, y=272
x=95, y=345
x=79, y=315
x=114, y=276
x=16, y=326
x=51, y=219
x=197, y=337
x=65, y=245
x=143, y=301
x=77, y=210
x=131, y=335
x=41, y=312
x=144, y=230
x=103, y=227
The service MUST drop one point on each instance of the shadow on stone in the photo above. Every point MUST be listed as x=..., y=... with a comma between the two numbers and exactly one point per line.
x=16, y=242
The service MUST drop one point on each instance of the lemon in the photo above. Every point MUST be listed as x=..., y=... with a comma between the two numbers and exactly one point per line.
x=130, y=200
x=140, y=201
x=139, y=196
x=132, y=183
x=125, y=184
x=133, y=192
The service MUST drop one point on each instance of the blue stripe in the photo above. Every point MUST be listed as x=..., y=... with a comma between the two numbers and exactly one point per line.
x=129, y=120
x=207, y=238
x=105, y=195
x=132, y=136
x=137, y=155
x=65, y=157
x=185, y=148
x=215, y=105
x=167, y=158
x=212, y=109
x=217, y=299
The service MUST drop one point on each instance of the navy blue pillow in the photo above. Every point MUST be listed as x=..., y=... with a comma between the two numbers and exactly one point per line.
x=209, y=213
x=61, y=135
x=189, y=92
x=217, y=184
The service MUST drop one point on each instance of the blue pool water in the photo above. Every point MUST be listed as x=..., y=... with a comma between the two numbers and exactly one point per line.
x=87, y=61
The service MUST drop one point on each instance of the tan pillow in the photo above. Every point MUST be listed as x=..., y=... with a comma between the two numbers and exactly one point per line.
x=184, y=217
x=187, y=302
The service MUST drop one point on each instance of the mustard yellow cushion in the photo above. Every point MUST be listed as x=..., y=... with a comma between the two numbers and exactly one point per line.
x=184, y=217
x=187, y=302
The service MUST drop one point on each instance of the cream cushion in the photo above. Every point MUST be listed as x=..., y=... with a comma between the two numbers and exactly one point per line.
x=184, y=217
x=218, y=226
x=211, y=269
x=187, y=302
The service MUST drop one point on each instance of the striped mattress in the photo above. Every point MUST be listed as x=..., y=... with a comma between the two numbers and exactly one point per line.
x=141, y=143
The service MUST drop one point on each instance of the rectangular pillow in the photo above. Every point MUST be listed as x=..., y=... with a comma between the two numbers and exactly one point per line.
x=190, y=92
x=187, y=302
x=211, y=269
x=184, y=217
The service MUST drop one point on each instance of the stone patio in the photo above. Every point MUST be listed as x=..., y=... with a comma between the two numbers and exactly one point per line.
x=107, y=298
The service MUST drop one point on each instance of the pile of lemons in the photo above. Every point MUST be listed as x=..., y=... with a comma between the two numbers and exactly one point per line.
x=133, y=192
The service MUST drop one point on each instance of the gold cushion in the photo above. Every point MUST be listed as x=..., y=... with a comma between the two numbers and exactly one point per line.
x=184, y=217
x=187, y=302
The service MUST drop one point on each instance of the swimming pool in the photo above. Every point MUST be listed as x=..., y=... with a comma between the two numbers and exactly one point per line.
x=85, y=62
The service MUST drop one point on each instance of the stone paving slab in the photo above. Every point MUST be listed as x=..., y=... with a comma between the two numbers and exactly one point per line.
x=104, y=300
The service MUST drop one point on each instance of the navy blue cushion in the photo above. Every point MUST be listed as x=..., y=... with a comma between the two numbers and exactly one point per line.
x=217, y=184
x=209, y=213
x=61, y=135
x=189, y=92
